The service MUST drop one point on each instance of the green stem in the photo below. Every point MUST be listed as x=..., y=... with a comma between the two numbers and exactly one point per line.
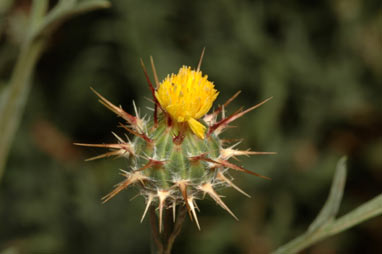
x=19, y=86
x=366, y=211
x=38, y=11
x=38, y=33
x=177, y=227
x=163, y=243
x=156, y=241
x=17, y=94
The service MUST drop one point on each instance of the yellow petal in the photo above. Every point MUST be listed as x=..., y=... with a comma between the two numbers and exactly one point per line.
x=197, y=127
x=186, y=94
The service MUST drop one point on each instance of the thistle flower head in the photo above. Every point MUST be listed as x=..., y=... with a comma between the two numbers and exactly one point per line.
x=186, y=97
x=174, y=158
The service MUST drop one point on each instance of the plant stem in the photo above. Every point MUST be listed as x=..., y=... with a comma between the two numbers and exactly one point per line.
x=163, y=242
x=158, y=246
x=17, y=94
x=41, y=26
x=19, y=85
x=177, y=227
x=364, y=212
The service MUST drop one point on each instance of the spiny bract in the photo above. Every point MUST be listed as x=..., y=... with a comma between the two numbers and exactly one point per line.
x=176, y=157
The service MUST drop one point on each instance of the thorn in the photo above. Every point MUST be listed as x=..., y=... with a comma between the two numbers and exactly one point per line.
x=152, y=92
x=154, y=72
x=128, y=139
x=224, y=122
x=204, y=157
x=117, y=146
x=227, y=141
x=149, y=99
x=169, y=121
x=207, y=188
x=108, y=154
x=238, y=168
x=130, y=179
x=227, y=153
x=183, y=189
x=131, y=199
x=221, y=176
x=196, y=206
x=248, y=110
x=148, y=79
x=190, y=202
x=173, y=210
x=152, y=163
x=118, y=137
x=124, y=146
x=136, y=111
x=236, y=144
x=199, y=157
x=178, y=139
x=211, y=117
x=156, y=103
x=122, y=149
x=231, y=99
x=162, y=196
x=141, y=135
x=248, y=152
x=117, y=110
x=150, y=198
x=227, y=164
x=201, y=59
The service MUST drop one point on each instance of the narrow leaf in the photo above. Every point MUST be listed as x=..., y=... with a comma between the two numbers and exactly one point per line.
x=41, y=26
x=330, y=209
x=325, y=221
x=65, y=10
x=368, y=210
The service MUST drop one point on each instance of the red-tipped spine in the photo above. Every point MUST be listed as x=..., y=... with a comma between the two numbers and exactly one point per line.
x=152, y=163
x=241, y=169
x=141, y=135
x=227, y=164
x=224, y=122
x=214, y=114
x=152, y=92
x=117, y=110
x=178, y=139
x=199, y=157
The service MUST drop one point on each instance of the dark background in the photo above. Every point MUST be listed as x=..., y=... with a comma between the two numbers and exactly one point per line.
x=320, y=60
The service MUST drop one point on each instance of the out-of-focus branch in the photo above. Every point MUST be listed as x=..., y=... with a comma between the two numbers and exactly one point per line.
x=15, y=94
x=325, y=224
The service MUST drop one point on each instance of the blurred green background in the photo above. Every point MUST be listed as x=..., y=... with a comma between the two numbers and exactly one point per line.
x=320, y=60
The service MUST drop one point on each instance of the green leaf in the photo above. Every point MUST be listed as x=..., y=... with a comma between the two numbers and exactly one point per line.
x=325, y=224
x=38, y=11
x=332, y=204
x=368, y=210
x=65, y=10
x=41, y=26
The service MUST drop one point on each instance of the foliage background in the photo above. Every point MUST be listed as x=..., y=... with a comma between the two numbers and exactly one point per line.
x=320, y=60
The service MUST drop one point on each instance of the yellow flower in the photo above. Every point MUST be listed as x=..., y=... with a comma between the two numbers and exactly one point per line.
x=186, y=97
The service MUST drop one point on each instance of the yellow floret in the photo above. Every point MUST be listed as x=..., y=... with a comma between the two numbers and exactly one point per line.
x=186, y=97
